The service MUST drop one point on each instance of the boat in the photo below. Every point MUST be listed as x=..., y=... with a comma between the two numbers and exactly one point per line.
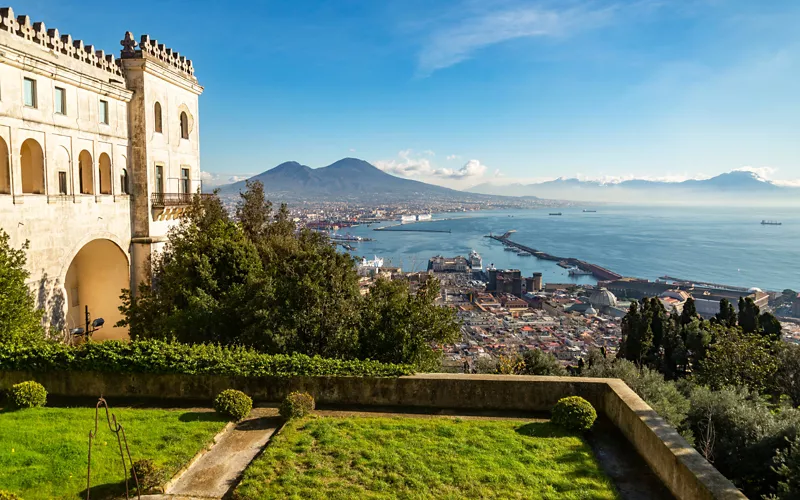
x=770, y=223
x=509, y=249
x=515, y=250
x=589, y=211
x=525, y=254
x=577, y=271
x=555, y=213
x=475, y=261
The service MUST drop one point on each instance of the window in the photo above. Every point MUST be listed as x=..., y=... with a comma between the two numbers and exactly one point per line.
x=29, y=92
x=123, y=182
x=62, y=183
x=184, y=125
x=159, y=179
x=185, y=183
x=104, y=112
x=61, y=101
x=157, y=117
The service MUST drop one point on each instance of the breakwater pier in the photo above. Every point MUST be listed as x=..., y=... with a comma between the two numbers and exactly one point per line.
x=598, y=272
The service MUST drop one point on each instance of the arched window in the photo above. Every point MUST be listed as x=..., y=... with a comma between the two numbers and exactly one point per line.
x=157, y=116
x=32, y=167
x=105, y=174
x=5, y=172
x=85, y=177
x=123, y=182
x=184, y=125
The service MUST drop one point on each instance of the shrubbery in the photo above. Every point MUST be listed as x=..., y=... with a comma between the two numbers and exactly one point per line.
x=297, y=405
x=28, y=394
x=233, y=404
x=5, y=495
x=156, y=356
x=574, y=413
x=148, y=473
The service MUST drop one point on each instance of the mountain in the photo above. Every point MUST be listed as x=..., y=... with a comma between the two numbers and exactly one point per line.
x=738, y=185
x=347, y=179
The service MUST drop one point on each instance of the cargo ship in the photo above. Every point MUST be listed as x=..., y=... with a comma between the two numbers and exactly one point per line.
x=770, y=223
x=555, y=213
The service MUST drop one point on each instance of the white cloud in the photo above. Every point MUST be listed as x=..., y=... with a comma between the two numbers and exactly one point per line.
x=763, y=172
x=410, y=164
x=352, y=150
x=453, y=157
x=452, y=43
x=213, y=179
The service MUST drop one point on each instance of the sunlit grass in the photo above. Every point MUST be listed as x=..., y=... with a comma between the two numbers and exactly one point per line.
x=366, y=457
x=43, y=450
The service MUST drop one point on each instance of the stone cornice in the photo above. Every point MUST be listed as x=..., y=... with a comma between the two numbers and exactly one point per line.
x=156, y=68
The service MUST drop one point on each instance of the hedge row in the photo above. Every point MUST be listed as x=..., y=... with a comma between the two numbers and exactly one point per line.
x=154, y=356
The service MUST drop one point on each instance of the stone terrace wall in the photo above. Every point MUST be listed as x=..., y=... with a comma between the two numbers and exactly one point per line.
x=687, y=474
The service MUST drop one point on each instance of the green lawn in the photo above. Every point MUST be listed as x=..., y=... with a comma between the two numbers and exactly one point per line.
x=368, y=457
x=43, y=450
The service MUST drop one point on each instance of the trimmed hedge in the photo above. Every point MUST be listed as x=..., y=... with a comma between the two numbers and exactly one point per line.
x=28, y=394
x=233, y=404
x=156, y=356
x=297, y=405
x=574, y=413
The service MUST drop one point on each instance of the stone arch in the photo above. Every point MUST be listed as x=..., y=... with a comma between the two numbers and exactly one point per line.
x=85, y=173
x=105, y=173
x=157, y=117
x=184, y=125
x=124, y=177
x=32, y=165
x=5, y=171
x=59, y=162
x=96, y=274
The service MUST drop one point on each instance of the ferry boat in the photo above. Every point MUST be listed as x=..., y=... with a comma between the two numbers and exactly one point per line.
x=577, y=271
x=475, y=261
x=589, y=211
x=770, y=223
x=555, y=213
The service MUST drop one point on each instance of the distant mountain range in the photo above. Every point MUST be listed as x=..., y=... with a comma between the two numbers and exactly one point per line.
x=348, y=179
x=731, y=186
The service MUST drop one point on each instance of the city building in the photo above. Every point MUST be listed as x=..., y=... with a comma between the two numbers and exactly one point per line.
x=458, y=264
x=99, y=155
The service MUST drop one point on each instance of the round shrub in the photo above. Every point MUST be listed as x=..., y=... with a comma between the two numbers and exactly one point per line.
x=148, y=474
x=5, y=495
x=297, y=405
x=28, y=394
x=574, y=413
x=233, y=404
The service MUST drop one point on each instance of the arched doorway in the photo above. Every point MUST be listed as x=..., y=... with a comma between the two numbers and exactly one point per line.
x=105, y=174
x=85, y=177
x=32, y=167
x=5, y=172
x=95, y=278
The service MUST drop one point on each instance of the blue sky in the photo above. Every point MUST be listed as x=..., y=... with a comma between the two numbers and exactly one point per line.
x=464, y=92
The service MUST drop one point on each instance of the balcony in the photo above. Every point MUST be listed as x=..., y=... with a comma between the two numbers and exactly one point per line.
x=168, y=206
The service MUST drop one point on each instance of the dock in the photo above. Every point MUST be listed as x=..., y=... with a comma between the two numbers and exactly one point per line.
x=598, y=272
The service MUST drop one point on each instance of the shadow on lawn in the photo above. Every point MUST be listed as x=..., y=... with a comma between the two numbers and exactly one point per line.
x=201, y=416
x=543, y=430
x=109, y=491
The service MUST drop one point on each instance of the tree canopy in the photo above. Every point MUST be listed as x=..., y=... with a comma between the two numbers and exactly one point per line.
x=20, y=320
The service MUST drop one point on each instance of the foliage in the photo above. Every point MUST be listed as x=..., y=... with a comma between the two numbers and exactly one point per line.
x=233, y=404
x=387, y=458
x=44, y=449
x=787, y=377
x=727, y=314
x=297, y=405
x=741, y=360
x=156, y=356
x=397, y=325
x=637, y=335
x=20, y=320
x=538, y=362
x=748, y=315
x=574, y=413
x=28, y=394
x=148, y=473
x=5, y=495
x=786, y=464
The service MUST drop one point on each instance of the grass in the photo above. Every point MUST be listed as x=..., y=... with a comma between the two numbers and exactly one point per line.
x=416, y=458
x=43, y=450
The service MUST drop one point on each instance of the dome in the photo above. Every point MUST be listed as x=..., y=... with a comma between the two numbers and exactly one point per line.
x=590, y=311
x=754, y=290
x=602, y=298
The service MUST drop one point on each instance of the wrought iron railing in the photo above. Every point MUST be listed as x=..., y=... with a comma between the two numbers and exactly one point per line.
x=160, y=200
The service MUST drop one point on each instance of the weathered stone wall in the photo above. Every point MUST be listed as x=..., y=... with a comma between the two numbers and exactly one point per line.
x=687, y=474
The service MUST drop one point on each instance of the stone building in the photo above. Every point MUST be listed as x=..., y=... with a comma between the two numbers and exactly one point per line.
x=99, y=156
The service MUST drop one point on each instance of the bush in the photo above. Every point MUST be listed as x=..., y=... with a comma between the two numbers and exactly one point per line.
x=574, y=413
x=148, y=473
x=233, y=404
x=6, y=495
x=158, y=356
x=28, y=394
x=297, y=405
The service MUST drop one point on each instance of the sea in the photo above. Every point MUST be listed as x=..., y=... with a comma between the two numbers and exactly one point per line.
x=720, y=245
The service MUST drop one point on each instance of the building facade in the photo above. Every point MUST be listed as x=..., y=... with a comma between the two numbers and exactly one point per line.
x=99, y=156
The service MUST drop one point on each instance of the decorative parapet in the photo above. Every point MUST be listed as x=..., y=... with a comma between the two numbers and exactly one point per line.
x=51, y=39
x=153, y=49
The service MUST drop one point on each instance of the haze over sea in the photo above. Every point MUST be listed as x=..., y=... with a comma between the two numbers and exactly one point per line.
x=714, y=244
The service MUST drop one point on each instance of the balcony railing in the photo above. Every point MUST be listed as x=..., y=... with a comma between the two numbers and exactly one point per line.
x=161, y=200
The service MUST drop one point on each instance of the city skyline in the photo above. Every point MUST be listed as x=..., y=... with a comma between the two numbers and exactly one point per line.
x=463, y=93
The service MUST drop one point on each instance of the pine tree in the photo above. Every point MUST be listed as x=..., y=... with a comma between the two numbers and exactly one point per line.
x=689, y=311
x=726, y=315
x=748, y=315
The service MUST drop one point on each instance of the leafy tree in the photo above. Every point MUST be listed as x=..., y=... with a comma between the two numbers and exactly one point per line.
x=748, y=315
x=20, y=320
x=787, y=378
x=689, y=312
x=770, y=326
x=538, y=362
x=637, y=335
x=727, y=314
x=741, y=360
x=397, y=324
